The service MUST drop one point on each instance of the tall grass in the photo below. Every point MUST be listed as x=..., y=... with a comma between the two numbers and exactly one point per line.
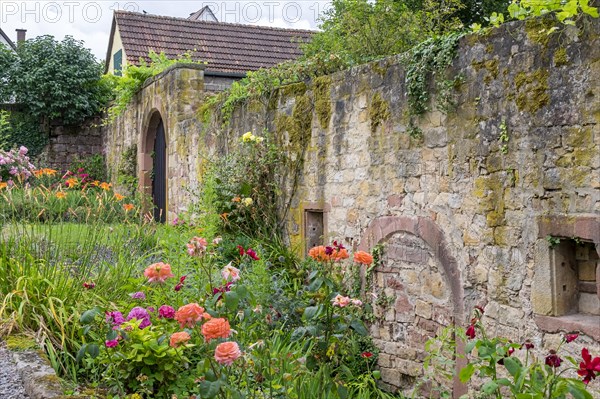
x=43, y=268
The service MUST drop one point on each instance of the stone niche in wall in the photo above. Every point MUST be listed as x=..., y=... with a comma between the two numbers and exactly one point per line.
x=566, y=289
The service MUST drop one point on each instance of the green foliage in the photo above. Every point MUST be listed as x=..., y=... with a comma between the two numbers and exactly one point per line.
x=54, y=80
x=243, y=188
x=127, y=170
x=21, y=129
x=358, y=31
x=125, y=87
x=94, y=166
x=504, y=137
x=567, y=11
x=4, y=130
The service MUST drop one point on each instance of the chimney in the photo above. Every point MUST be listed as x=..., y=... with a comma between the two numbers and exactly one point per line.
x=21, y=35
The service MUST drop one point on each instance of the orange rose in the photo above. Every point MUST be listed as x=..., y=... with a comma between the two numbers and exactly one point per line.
x=158, y=272
x=189, y=315
x=227, y=353
x=363, y=257
x=340, y=254
x=179, y=338
x=216, y=328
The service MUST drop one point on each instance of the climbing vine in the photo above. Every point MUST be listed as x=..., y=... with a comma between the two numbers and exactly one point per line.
x=426, y=61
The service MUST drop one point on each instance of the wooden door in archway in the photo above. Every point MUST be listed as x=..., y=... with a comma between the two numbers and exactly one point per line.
x=159, y=178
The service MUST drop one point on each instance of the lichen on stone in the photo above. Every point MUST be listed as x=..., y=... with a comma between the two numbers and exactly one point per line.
x=322, y=90
x=379, y=111
x=20, y=342
x=560, y=57
x=532, y=90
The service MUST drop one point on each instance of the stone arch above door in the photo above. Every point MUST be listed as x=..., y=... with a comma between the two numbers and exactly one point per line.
x=420, y=279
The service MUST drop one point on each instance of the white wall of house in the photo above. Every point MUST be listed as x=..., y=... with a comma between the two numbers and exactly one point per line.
x=117, y=45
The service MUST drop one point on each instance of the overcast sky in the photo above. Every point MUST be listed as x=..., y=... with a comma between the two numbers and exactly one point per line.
x=90, y=21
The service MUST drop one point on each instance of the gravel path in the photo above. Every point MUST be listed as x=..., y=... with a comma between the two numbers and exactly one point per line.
x=11, y=386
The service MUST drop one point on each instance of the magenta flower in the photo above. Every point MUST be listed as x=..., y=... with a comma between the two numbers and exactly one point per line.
x=589, y=368
x=138, y=295
x=115, y=318
x=112, y=343
x=571, y=337
x=142, y=314
x=166, y=312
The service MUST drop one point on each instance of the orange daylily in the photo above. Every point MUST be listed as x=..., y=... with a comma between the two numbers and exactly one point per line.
x=105, y=186
x=119, y=197
x=61, y=195
x=72, y=182
x=3, y=185
x=128, y=207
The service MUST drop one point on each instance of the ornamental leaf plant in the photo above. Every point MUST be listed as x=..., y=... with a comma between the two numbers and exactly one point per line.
x=511, y=370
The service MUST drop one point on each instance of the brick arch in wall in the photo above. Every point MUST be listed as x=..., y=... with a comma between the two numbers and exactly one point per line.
x=421, y=234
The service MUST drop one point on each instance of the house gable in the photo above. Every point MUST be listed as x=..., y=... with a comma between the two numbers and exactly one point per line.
x=226, y=48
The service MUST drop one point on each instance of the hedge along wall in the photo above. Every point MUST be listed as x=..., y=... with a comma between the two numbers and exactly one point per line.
x=496, y=204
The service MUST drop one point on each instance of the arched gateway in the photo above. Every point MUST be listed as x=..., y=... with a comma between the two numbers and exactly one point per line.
x=153, y=165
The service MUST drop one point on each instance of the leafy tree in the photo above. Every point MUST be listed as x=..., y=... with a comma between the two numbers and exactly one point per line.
x=54, y=80
x=357, y=31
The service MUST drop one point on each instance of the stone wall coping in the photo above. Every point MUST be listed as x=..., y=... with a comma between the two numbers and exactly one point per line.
x=584, y=226
x=586, y=324
x=39, y=379
x=179, y=65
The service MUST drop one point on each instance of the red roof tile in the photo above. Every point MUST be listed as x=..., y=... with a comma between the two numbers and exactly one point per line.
x=226, y=47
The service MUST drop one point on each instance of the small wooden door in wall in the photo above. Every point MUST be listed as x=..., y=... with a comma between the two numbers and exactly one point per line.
x=159, y=181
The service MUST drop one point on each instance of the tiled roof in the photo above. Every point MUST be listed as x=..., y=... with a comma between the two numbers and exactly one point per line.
x=226, y=47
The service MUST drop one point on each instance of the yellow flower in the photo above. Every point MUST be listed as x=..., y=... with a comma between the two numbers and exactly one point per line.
x=105, y=186
x=119, y=197
x=259, y=139
x=248, y=201
x=246, y=137
x=61, y=195
x=95, y=183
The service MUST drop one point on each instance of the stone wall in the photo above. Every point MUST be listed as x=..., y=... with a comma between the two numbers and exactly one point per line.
x=465, y=218
x=68, y=144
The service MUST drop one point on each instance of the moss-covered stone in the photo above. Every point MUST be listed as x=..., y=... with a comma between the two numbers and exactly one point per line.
x=560, y=57
x=293, y=90
x=20, y=343
x=532, y=90
x=489, y=65
x=381, y=67
x=490, y=192
x=379, y=111
x=322, y=93
x=538, y=30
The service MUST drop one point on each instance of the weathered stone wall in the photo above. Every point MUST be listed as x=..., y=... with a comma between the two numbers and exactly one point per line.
x=172, y=96
x=463, y=215
x=68, y=144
